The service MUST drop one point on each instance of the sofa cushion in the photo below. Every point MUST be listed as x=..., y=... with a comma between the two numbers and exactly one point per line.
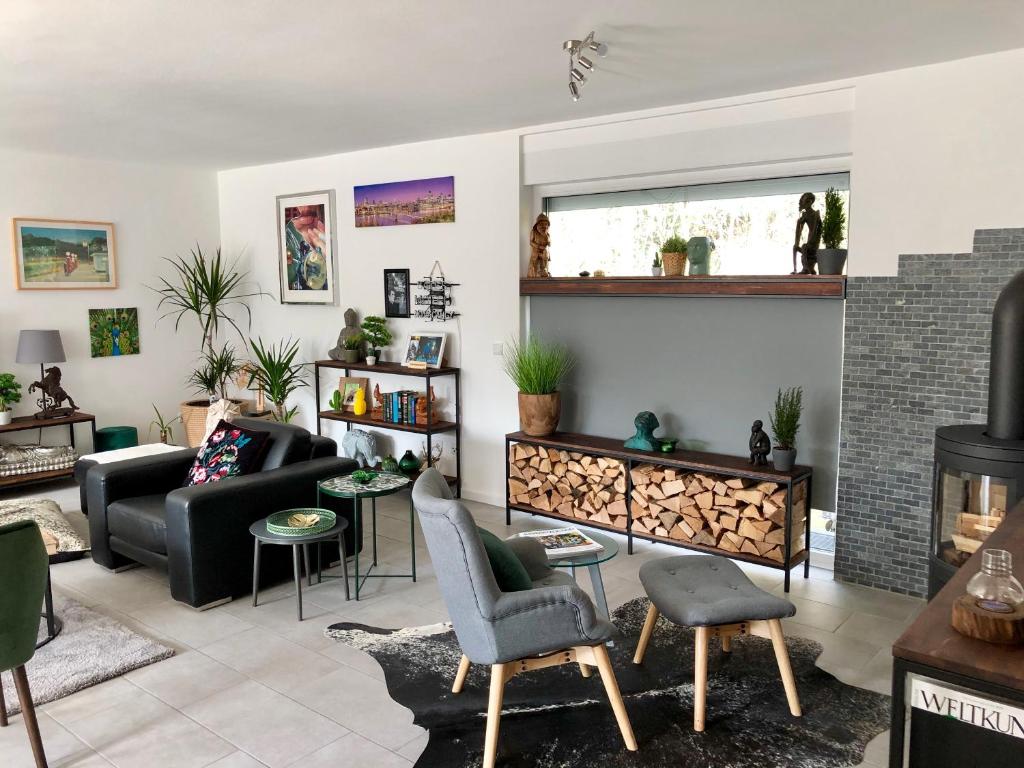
x=286, y=444
x=230, y=450
x=140, y=520
x=509, y=572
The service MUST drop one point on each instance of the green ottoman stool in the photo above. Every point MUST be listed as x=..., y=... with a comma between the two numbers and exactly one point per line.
x=112, y=438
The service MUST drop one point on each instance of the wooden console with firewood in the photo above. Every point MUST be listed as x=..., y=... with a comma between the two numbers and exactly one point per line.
x=702, y=501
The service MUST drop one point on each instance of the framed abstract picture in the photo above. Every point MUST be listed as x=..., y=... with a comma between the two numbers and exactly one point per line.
x=306, y=245
x=397, y=302
x=425, y=349
x=114, y=332
x=53, y=254
x=422, y=201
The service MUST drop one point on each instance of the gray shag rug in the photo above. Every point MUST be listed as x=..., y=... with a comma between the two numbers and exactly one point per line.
x=91, y=648
x=555, y=717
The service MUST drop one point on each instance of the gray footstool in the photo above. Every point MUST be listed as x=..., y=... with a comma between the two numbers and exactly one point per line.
x=714, y=596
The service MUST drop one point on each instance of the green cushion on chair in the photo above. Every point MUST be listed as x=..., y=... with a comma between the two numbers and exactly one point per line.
x=509, y=571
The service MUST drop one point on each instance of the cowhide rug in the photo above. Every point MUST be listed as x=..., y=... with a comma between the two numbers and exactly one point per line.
x=555, y=717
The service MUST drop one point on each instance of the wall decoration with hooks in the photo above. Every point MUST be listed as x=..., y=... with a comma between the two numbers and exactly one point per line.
x=434, y=297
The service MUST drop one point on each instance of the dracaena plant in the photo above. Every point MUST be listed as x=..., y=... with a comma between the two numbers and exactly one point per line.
x=277, y=374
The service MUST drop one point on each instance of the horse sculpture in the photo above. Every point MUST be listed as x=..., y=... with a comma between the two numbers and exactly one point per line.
x=53, y=396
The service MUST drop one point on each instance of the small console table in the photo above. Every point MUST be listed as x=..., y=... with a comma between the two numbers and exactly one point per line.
x=703, y=501
x=23, y=423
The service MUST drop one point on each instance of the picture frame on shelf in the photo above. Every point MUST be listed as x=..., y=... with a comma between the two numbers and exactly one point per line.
x=63, y=254
x=348, y=386
x=397, y=293
x=425, y=349
x=306, y=248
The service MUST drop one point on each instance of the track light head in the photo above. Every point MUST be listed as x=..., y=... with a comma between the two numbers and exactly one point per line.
x=586, y=63
x=578, y=62
x=574, y=91
x=599, y=48
x=578, y=76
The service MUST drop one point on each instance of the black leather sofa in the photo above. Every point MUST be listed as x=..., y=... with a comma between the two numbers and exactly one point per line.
x=140, y=513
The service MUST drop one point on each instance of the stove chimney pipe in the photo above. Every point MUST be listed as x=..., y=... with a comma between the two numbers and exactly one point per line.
x=1006, y=372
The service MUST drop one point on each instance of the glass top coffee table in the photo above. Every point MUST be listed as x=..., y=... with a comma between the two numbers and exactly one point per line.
x=592, y=561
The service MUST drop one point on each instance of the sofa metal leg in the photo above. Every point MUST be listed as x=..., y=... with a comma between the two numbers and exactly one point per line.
x=28, y=713
x=212, y=604
x=499, y=674
x=645, y=635
x=785, y=669
x=700, y=677
x=460, y=676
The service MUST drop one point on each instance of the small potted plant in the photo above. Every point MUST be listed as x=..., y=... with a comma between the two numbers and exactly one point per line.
x=656, y=265
x=538, y=369
x=785, y=420
x=673, y=256
x=10, y=393
x=278, y=375
x=832, y=258
x=376, y=335
x=163, y=425
x=350, y=348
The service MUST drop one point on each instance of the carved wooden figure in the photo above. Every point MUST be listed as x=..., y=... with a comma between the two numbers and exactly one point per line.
x=539, y=242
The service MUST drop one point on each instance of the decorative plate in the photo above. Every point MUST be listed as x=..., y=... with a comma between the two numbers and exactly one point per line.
x=301, y=522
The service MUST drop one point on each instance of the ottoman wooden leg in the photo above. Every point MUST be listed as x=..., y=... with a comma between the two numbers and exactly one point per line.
x=460, y=677
x=700, y=677
x=785, y=670
x=645, y=636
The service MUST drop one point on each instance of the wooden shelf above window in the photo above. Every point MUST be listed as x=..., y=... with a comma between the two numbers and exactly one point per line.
x=762, y=286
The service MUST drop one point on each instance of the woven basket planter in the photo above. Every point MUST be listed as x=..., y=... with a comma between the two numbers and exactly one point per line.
x=674, y=263
x=193, y=418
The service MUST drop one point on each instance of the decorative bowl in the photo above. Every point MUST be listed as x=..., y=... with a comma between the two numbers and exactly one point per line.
x=364, y=476
x=668, y=444
x=304, y=521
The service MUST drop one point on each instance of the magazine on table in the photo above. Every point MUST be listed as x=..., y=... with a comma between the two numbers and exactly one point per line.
x=564, y=542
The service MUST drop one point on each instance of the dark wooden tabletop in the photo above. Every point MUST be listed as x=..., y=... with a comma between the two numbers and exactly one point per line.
x=932, y=641
x=22, y=423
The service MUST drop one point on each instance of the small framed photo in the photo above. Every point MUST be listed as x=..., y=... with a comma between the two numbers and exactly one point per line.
x=53, y=254
x=348, y=386
x=306, y=245
x=425, y=349
x=396, y=293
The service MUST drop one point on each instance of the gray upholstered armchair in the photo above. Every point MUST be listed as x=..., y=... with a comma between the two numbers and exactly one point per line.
x=513, y=632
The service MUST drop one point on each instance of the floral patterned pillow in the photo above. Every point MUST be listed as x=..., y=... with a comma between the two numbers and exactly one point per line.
x=229, y=451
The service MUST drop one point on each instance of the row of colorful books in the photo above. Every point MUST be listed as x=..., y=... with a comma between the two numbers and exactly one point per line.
x=400, y=407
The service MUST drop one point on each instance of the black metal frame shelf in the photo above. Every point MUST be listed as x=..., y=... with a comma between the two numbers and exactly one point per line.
x=23, y=423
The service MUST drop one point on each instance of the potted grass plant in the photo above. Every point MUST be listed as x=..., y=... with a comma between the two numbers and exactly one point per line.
x=538, y=369
x=673, y=256
x=785, y=421
x=278, y=375
x=832, y=258
x=10, y=393
x=350, y=348
x=163, y=425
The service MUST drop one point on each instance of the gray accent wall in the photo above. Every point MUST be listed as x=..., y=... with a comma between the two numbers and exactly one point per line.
x=916, y=358
x=707, y=367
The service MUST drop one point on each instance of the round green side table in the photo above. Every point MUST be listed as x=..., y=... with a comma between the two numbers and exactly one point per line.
x=112, y=438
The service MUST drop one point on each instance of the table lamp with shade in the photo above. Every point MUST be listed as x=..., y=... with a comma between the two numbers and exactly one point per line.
x=44, y=346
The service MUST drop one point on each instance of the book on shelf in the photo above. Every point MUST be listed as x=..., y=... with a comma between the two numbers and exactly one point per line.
x=564, y=542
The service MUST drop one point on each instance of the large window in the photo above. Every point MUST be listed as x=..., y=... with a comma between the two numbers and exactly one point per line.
x=752, y=224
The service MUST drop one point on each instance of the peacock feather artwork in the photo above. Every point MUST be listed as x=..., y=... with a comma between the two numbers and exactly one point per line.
x=114, y=332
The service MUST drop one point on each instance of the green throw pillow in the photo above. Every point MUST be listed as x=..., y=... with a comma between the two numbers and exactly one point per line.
x=508, y=570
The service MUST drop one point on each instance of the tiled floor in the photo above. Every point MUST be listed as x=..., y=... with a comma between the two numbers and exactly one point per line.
x=252, y=686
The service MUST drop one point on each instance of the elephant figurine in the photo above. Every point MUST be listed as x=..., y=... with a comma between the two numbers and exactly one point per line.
x=361, y=445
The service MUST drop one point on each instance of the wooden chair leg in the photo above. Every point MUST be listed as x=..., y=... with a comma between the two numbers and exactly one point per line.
x=3, y=706
x=498, y=677
x=727, y=643
x=28, y=713
x=700, y=677
x=611, y=687
x=460, y=676
x=785, y=670
x=585, y=670
x=645, y=635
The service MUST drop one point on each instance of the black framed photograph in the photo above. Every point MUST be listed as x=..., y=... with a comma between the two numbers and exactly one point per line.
x=397, y=299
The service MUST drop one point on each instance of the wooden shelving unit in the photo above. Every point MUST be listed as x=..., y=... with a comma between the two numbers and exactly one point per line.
x=24, y=423
x=431, y=428
x=776, y=287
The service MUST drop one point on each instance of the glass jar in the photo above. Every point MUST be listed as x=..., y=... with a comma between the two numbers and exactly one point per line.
x=994, y=586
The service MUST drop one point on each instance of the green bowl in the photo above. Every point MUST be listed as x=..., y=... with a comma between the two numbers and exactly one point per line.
x=668, y=444
x=278, y=522
x=364, y=477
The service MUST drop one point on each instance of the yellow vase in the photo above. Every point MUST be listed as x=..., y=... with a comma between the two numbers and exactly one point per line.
x=359, y=403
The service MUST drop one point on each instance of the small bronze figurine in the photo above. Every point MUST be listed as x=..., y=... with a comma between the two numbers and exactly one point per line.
x=539, y=242
x=53, y=396
x=809, y=250
x=644, y=439
x=760, y=444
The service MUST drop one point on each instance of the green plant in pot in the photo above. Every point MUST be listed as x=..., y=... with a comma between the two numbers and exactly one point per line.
x=350, y=348
x=10, y=393
x=785, y=421
x=163, y=425
x=673, y=255
x=656, y=265
x=278, y=375
x=832, y=258
x=538, y=369
x=376, y=335
x=213, y=375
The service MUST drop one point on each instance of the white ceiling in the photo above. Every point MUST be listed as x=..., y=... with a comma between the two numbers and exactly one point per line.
x=224, y=83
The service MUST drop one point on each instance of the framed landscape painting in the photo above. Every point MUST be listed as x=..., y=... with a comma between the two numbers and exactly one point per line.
x=51, y=254
x=114, y=332
x=423, y=201
x=305, y=229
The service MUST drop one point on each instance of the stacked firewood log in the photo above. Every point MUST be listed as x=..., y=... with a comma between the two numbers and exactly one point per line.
x=732, y=514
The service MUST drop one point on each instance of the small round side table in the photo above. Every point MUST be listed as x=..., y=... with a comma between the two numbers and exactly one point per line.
x=592, y=561
x=263, y=536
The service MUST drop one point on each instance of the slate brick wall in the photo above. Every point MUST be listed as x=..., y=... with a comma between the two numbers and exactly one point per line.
x=915, y=357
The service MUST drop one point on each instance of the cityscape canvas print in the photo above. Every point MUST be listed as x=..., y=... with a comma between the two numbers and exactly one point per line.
x=423, y=201
x=114, y=332
x=60, y=255
x=306, y=247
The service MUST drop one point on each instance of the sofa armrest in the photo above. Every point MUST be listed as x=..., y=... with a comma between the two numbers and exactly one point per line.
x=209, y=547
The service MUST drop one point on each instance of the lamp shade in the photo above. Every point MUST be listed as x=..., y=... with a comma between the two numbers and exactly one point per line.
x=40, y=347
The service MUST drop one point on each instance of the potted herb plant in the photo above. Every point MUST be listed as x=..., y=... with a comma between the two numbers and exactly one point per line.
x=10, y=393
x=278, y=375
x=785, y=421
x=832, y=258
x=656, y=265
x=350, y=348
x=376, y=335
x=538, y=369
x=163, y=425
x=673, y=256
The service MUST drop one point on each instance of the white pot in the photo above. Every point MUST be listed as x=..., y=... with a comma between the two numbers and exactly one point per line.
x=655, y=271
x=6, y=416
x=371, y=360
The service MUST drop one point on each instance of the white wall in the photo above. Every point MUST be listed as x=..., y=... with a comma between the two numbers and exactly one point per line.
x=157, y=212
x=479, y=251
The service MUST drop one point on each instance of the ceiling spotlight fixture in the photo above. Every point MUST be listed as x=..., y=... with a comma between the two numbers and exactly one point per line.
x=575, y=49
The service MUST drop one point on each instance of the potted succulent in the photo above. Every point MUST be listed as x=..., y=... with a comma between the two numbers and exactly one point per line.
x=278, y=375
x=10, y=393
x=832, y=258
x=163, y=425
x=350, y=348
x=538, y=369
x=673, y=255
x=785, y=421
x=376, y=335
x=656, y=265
